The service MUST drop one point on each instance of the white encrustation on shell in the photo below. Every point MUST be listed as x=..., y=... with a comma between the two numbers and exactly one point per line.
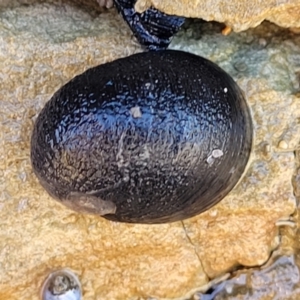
x=61, y=285
x=136, y=112
x=214, y=154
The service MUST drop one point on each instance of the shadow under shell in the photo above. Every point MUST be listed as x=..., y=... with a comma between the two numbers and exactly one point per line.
x=151, y=138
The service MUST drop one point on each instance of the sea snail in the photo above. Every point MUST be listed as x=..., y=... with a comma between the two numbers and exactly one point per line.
x=61, y=285
x=155, y=137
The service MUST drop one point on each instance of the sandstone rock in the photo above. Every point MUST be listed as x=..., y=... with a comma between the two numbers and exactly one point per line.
x=277, y=281
x=44, y=45
x=237, y=14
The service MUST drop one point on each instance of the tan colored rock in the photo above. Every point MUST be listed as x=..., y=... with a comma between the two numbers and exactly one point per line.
x=42, y=47
x=237, y=14
x=278, y=280
x=240, y=229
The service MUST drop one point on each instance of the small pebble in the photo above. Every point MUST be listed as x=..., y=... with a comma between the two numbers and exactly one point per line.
x=227, y=30
x=283, y=145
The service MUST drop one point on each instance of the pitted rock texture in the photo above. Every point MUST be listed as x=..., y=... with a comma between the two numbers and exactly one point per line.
x=44, y=45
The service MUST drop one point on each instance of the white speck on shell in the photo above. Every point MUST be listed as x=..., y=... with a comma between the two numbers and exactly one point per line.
x=145, y=154
x=225, y=90
x=120, y=159
x=147, y=85
x=232, y=170
x=136, y=112
x=217, y=153
x=214, y=154
x=210, y=160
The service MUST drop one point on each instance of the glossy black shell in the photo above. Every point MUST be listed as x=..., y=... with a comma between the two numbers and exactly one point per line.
x=161, y=135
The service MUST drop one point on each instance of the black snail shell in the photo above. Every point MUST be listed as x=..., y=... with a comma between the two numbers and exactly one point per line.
x=154, y=137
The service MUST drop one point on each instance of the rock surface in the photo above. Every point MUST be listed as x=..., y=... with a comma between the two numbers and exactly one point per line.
x=237, y=14
x=280, y=280
x=44, y=45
